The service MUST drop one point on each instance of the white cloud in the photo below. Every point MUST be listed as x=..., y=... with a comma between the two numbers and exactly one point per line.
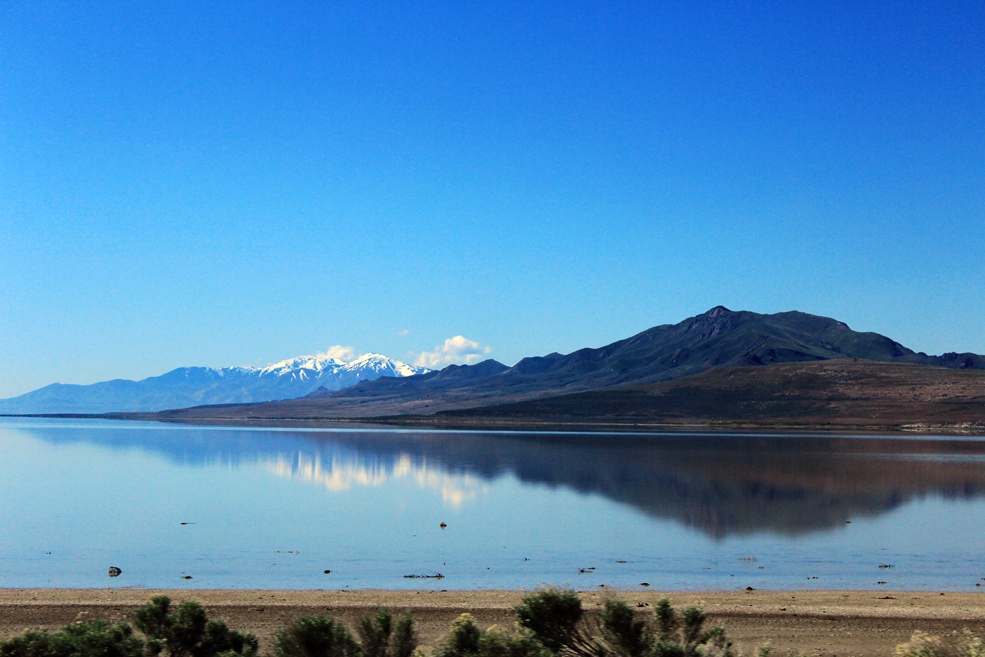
x=458, y=349
x=338, y=352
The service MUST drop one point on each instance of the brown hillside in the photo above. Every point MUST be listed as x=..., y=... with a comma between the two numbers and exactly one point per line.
x=834, y=394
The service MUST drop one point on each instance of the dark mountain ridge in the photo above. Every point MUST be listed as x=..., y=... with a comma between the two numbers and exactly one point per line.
x=715, y=339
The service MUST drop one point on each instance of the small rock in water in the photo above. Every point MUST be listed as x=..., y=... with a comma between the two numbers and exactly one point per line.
x=443, y=525
x=114, y=571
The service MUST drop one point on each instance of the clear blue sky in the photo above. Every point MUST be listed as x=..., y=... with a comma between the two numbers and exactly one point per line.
x=237, y=183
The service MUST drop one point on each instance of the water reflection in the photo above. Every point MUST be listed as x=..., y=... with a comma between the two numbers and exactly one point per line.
x=339, y=474
x=722, y=485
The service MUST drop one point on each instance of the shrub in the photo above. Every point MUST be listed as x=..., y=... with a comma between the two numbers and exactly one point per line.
x=318, y=636
x=556, y=619
x=624, y=632
x=922, y=644
x=87, y=639
x=684, y=634
x=465, y=639
x=187, y=631
x=380, y=638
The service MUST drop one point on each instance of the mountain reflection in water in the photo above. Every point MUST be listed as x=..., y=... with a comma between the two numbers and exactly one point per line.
x=720, y=484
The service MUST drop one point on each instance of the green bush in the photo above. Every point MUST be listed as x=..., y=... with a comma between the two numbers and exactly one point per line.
x=556, y=619
x=187, y=631
x=379, y=637
x=88, y=639
x=318, y=636
x=465, y=639
x=622, y=630
x=922, y=644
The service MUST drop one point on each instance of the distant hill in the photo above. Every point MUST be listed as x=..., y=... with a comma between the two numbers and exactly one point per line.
x=832, y=394
x=195, y=386
x=716, y=339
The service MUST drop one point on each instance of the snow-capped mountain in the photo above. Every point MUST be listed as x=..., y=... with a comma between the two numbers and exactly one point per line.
x=197, y=386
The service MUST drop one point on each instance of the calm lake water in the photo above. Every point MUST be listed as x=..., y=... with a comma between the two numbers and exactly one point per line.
x=274, y=508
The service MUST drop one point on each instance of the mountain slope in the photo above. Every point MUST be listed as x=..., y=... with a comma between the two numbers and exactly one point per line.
x=844, y=393
x=196, y=386
x=717, y=338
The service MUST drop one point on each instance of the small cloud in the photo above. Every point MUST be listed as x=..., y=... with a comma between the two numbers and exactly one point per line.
x=403, y=332
x=338, y=352
x=458, y=349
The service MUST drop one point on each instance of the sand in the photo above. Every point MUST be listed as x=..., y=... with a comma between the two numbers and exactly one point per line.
x=815, y=622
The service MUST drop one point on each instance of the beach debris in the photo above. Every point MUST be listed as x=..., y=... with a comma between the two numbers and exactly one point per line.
x=443, y=525
x=883, y=566
x=114, y=571
x=434, y=576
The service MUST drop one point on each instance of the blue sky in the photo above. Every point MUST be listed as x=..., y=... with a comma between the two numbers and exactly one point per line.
x=237, y=183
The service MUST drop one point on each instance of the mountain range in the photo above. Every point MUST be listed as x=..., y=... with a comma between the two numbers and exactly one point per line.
x=582, y=383
x=195, y=386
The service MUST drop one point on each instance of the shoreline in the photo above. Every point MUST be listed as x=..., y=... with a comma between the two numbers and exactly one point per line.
x=560, y=426
x=830, y=622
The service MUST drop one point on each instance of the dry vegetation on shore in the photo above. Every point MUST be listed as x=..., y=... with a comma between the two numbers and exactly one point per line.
x=812, y=622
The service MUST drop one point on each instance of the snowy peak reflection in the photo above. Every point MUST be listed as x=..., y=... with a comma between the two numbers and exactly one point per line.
x=341, y=473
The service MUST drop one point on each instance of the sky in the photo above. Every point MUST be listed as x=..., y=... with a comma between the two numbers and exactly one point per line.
x=236, y=183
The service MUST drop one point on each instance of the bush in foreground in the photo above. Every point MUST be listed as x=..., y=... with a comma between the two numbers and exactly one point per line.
x=187, y=632
x=922, y=644
x=465, y=639
x=557, y=620
x=87, y=639
x=324, y=637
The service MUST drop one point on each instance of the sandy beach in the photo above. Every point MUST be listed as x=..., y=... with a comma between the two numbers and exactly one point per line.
x=815, y=622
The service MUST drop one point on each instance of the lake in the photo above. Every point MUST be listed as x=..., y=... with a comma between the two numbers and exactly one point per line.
x=178, y=506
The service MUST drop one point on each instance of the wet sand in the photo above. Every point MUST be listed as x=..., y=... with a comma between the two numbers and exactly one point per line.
x=815, y=622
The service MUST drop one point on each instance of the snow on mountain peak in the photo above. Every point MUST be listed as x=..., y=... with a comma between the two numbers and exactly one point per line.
x=327, y=365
